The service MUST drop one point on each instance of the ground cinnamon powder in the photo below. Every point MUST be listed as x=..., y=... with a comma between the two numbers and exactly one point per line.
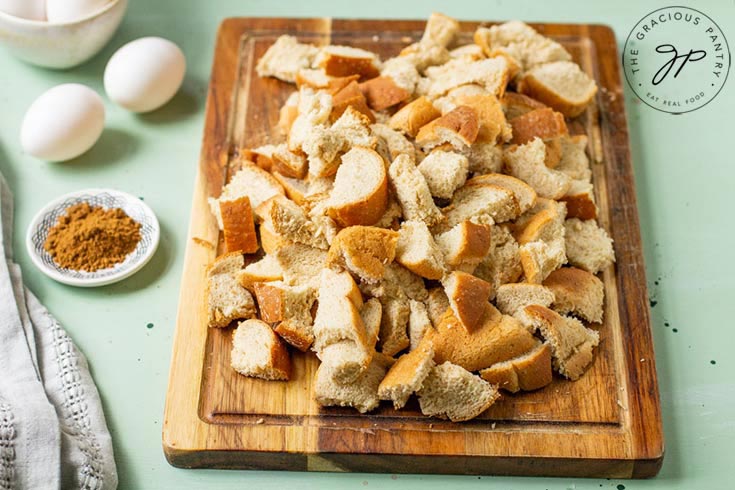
x=89, y=238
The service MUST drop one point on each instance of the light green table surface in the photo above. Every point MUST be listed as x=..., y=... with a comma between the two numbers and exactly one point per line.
x=685, y=174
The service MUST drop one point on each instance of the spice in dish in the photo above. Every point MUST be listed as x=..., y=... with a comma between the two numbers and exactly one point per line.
x=89, y=238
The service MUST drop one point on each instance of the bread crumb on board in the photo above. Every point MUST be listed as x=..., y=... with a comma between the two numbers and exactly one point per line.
x=419, y=217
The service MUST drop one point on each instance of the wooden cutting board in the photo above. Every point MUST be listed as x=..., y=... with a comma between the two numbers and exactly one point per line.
x=607, y=424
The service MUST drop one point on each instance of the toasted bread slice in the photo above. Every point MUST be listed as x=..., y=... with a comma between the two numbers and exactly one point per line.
x=413, y=192
x=578, y=292
x=589, y=247
x=227, y=300
x=580, y=201
x=561, y=85
x=382, y=92
x=468, y=297
x=417, y=251
x=342, y=61
x=493, y=127
x=414, y=116
x=444, y=172
x=364, y=251
x=407, y=375
x=528, y=372
x=360, y=194
x=524, y=193
x=571, y=342
x=258, y=352
x=466, y=244
x=459, y=127
x=238, y=225
x=285, y=58
x=499, y=338
x=449, y=391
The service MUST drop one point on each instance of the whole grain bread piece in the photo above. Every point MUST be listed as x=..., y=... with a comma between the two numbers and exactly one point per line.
x=285, y=58
x=574, y=161
x=419, y=323
x=543, y=123
x=290, y=307
x=227, y=300
x=391, y=143
x=528, y=163
x=371, y=314
x=360, y=194
x=485, y=158
x=578, y=292
x=449, y=391
x=341, y=61
x=540, y=258
x=364, y=251
x=499, y=338
x=589, y=247
x=410, y=118
x=502, y=264
x=524, y=193
x=522, y=42
x=437, y=304
x=512, y=299
x=515, y=104
x=481, y=203
x=361, y=394
x=459, y=127
x=444, y=172
x=337, y=316
x=571, y=342
x=258, y=352
x=417, y=251
x=561, y=85
x=301, y=264
x=528, y=372
x=407, y=375
x=251, y=181
x=266, y=269
x=465, y=245
x=492, y=74
x=493, y=127
x=413, y=192
x=580, y=200
x=467, y=296
x=382, y=92
x=238, y=225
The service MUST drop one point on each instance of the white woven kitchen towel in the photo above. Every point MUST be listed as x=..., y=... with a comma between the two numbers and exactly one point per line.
x=53, y=433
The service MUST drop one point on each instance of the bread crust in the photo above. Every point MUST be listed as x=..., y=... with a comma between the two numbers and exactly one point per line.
x=413, y=116
x=468, y=296
x=238, y=225
x=578, y=292
x=382, y=92
x=459, y=127
x=368, y=209
x=543, y=123
x=534, y=87
x=336, y=65
x=515, y=104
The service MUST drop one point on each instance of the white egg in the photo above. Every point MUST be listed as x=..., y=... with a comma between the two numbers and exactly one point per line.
x=72, y=10
x=145, y=74
x=26, y=9
x=63, y=123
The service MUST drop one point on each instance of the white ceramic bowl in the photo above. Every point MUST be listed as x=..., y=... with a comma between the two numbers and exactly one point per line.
x=61, y=45
x=47, y=217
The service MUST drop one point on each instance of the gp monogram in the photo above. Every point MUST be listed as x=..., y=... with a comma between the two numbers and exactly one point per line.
x=676, y=59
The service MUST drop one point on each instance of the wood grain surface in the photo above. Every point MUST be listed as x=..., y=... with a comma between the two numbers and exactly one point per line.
x=607, y=424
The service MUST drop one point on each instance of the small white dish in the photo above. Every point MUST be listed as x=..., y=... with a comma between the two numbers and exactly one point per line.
x=61, y=45
x=47, y=217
